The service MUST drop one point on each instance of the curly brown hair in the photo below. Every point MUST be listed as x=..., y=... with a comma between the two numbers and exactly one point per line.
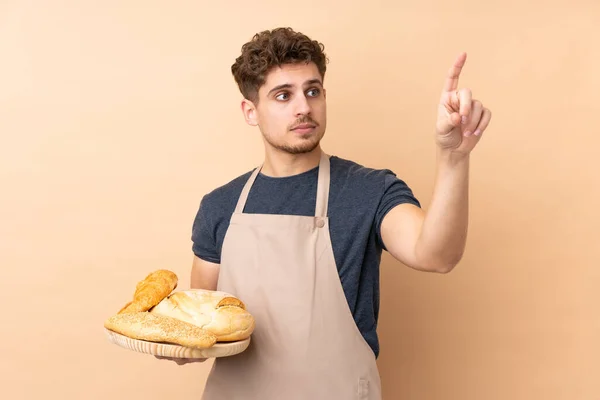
x=269, y=49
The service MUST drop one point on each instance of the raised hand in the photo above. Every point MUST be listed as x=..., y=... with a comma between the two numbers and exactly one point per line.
x=461, y=119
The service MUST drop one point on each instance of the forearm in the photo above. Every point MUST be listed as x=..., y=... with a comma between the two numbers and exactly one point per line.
x=443, y=235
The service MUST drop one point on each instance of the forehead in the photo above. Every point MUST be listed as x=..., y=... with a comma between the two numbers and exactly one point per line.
x=292, y=74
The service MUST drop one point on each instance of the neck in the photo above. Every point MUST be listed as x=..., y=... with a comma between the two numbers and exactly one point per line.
x=280, y=164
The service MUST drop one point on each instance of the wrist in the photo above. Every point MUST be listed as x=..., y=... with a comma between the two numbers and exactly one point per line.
x=452, y=158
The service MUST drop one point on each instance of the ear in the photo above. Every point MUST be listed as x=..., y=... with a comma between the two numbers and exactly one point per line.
x=249, y=110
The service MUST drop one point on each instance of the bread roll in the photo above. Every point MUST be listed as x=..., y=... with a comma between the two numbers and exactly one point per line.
x=150, y=291
x=159, y=328
x=220, y=313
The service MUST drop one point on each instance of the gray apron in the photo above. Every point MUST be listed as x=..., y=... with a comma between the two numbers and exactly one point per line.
x=306, y=344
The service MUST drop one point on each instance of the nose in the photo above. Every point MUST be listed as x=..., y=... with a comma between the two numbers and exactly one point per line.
x=302, y=107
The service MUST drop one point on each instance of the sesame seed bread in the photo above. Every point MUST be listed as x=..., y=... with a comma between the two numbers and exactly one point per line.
x=159, y=328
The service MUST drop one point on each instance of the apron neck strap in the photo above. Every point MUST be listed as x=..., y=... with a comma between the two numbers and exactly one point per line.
x=322, y=188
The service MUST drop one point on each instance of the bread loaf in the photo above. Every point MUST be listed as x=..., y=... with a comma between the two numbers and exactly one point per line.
x=159, y=328
x=151, y=290
x=220, y=313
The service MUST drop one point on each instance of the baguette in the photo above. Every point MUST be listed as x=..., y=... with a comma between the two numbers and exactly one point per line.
x=160, y=329
x=150, y=291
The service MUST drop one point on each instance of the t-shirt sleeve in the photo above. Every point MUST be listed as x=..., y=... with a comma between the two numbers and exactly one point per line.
x=204, y=243
x=395, y=192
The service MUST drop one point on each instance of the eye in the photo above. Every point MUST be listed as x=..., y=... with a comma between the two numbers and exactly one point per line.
x=313, y=92
x=282, y=96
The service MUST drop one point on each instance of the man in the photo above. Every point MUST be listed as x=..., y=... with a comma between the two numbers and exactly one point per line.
x=299, y=238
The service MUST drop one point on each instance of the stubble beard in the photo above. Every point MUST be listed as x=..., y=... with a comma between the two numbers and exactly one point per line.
x=308, y=145
x=303, y=148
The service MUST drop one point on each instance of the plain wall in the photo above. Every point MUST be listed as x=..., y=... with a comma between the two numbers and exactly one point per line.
x=117, y=117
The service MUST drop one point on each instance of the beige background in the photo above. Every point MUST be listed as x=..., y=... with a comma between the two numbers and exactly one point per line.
x=117, y=117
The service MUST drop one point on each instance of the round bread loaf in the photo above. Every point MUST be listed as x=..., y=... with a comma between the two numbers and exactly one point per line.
x=220, y=313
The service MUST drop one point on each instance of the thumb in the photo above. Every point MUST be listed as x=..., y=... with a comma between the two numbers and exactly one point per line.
x=447, y=124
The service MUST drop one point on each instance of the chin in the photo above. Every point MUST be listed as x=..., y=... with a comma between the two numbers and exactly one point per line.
x=301, y=147
x=296, y=145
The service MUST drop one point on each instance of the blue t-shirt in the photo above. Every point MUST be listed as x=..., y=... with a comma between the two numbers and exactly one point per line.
x=359, y=198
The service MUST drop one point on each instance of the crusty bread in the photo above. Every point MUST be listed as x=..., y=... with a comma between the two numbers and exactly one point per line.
x=221, y=313
x=159, y=328
x=150, y=291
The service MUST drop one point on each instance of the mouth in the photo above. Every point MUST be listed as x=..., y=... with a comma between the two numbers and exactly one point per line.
x=304, y=128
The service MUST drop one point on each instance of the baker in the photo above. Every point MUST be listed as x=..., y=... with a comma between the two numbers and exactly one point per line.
x=299, y=238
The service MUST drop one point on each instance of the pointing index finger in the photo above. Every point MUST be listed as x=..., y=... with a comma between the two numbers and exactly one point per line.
x=454, y=73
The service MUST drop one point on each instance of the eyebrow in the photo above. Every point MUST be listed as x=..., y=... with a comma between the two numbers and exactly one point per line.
x=287, y=85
